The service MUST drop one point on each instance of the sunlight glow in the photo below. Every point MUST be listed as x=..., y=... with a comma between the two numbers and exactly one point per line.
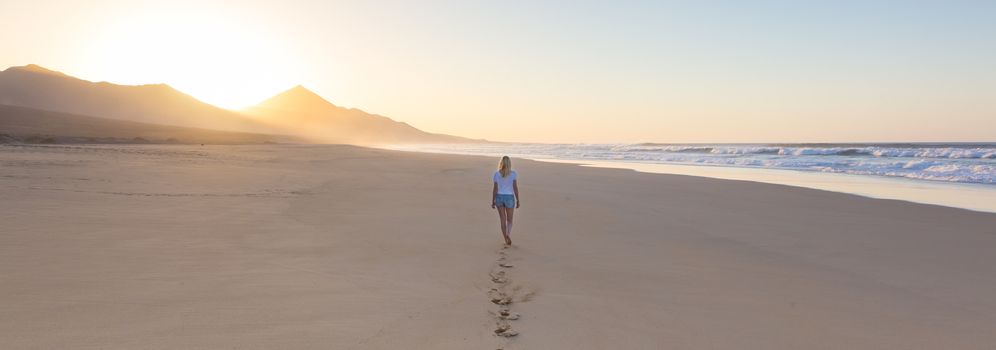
x=207, y=55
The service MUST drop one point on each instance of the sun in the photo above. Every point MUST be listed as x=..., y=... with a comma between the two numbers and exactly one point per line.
x=211, y=56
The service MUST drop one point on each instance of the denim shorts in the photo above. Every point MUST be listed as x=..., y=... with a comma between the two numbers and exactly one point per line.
x=505, y=200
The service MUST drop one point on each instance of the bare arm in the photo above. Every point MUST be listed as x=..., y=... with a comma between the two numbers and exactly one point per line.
x=515, y=187
x=494, y=193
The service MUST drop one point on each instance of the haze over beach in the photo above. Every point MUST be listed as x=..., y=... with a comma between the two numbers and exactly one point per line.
x=314, y=175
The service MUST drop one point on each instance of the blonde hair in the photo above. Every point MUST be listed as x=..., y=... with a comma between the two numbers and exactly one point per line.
x=505, y=166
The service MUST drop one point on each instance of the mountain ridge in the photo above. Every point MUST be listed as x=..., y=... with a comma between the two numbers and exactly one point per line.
x=327, y=121
x=297, y=111
x=35, y=87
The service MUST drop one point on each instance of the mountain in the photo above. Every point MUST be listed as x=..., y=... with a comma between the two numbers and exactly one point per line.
x=37, y=87
x=297, y=111
x=320, y=120
x=28, y=125
x=297, y=99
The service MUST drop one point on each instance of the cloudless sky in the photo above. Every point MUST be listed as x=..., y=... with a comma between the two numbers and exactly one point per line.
x=555, y=71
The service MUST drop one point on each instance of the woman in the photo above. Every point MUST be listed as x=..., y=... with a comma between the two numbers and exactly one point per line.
x=505, y=196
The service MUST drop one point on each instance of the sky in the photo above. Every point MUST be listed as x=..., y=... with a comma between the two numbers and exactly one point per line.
x=554, y=71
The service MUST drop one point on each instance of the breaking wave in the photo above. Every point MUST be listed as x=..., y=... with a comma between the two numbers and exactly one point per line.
x=952, y=162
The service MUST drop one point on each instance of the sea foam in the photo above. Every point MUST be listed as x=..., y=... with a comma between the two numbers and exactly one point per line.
x=953, y=162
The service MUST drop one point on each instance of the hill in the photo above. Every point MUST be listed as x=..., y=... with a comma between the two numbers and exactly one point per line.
x=37, y=87
x=297, y=112
x=318, y=119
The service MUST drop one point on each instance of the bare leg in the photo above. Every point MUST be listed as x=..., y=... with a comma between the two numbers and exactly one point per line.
x=504, y=229
x=508, y=225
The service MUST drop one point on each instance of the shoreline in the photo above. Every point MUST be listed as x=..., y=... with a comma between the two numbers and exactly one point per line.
x=968, y=196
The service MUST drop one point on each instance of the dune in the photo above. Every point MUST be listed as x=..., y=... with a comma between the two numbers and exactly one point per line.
x=319, y=247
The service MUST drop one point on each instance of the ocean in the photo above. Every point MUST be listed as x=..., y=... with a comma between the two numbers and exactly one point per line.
x=950, y=162
x=953, y=174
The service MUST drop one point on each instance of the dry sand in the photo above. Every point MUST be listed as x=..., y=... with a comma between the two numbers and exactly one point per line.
x=337, y=247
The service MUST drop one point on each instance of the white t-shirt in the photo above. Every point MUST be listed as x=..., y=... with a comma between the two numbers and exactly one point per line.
x=505, y=183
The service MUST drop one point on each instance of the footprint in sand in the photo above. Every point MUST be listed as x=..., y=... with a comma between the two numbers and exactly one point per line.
x=505, y=330
x=505, y=314
x=499, y=277
x=499, y=296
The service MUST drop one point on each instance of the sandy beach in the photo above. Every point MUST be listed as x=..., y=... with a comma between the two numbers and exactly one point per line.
x=341, y=247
